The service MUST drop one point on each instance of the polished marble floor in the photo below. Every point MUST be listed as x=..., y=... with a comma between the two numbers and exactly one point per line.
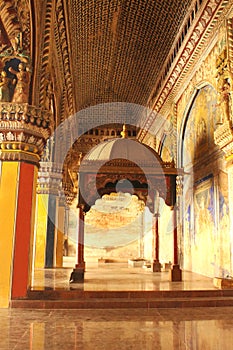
x=128, y=329
x=118, y=276
x=206, y=328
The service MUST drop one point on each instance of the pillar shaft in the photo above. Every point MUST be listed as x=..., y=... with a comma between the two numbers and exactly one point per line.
x=22, y=265
x=175, y=240
x=8, y=200
x=60, y=236
x=176, y=273
x=156, y=266
x=50, y=238
x=17, y=209
x=78, y=272
x=23, y=130
x=80, y=239
x=41, y=229
x=156, y=236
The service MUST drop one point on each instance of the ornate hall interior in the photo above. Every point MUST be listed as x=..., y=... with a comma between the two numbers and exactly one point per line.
x=116, y=174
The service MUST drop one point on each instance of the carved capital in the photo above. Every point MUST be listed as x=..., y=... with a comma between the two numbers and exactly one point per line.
x=23, y=132
x=49, y=178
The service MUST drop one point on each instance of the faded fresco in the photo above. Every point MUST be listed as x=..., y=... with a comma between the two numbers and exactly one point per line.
x=199, y=129
x=202, y=250
x=223, y=260
x=204, y=244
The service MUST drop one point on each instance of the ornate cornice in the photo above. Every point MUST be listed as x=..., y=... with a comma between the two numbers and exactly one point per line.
x=187, y=55
x=62, y=39
x=45, y=50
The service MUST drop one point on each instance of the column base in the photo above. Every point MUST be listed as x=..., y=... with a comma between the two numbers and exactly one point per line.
x=156, y=266
x=176, y=273
x=81, y=265
x=77, y=275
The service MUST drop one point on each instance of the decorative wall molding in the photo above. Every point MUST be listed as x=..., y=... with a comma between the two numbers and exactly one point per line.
x=186, y=57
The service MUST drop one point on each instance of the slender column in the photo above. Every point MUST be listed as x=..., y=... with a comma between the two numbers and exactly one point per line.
x=49, y=255
x=176, y=273
x=60, y=234
x=48, y=218
x=175, y=242
x=156, y=267
x=41, y=229
x=80, y=243
x=78, y=272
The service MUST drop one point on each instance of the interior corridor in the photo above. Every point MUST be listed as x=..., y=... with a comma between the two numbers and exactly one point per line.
x=117, y=277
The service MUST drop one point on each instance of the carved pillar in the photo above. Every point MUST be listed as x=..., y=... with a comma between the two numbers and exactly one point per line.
x=48, y=192
x=176, y=273
x=23, y=131
x=156, y=267
x=78, y=272
x=60, y=232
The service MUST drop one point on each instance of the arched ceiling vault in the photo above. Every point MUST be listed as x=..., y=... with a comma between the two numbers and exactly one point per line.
x=120, y=46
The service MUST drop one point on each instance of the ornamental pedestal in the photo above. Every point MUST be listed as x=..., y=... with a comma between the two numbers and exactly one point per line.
x=23, y=131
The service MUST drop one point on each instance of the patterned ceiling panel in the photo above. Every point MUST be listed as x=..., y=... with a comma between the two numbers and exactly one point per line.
x=119, y=47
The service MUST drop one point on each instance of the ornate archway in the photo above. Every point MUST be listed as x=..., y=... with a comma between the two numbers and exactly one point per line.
x=133, y=167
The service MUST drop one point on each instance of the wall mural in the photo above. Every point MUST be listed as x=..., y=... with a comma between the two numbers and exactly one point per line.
x=204, y=248
x=199, y=130
x=224, y=247
x=206, y=221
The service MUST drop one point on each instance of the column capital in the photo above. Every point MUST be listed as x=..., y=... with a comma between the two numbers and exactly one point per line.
x=23, y=132
x=49, y=178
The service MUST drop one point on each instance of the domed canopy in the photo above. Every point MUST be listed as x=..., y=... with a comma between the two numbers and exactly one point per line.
x=128, y=151
x=122, y=148
x=130, y=161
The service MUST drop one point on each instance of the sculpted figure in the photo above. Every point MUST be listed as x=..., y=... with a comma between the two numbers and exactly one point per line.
x=4, y=88
x=22, y=85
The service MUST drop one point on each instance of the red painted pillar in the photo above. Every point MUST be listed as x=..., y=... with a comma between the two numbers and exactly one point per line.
x=22, y=255
x=175, y=241
x=77, y=275
x=176, y=273
x=80, y=240
x=155, y=231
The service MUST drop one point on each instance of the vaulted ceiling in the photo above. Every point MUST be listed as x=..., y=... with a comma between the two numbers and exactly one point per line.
x=119, y=47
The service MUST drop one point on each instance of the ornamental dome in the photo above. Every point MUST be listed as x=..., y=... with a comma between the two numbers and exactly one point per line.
x=123, y=148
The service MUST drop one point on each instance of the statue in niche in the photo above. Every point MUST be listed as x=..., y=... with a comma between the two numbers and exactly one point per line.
x=4, y=88
x=224, y=101
x=22, y=82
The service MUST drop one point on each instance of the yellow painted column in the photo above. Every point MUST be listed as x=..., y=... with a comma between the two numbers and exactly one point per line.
x=41, y=229
x=8, y=202
x=60, y=235
x=21, y=145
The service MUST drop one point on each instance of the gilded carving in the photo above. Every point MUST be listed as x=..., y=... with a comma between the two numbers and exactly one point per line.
x=22, y=82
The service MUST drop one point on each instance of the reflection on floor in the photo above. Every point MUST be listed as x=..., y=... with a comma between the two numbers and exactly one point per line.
x=162, y=329
x=207, y=328
x=119, y=277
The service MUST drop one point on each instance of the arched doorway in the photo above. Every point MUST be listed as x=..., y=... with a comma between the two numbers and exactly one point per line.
x=131, y=167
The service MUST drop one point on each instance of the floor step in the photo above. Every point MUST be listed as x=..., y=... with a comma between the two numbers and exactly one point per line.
x=76, y=299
